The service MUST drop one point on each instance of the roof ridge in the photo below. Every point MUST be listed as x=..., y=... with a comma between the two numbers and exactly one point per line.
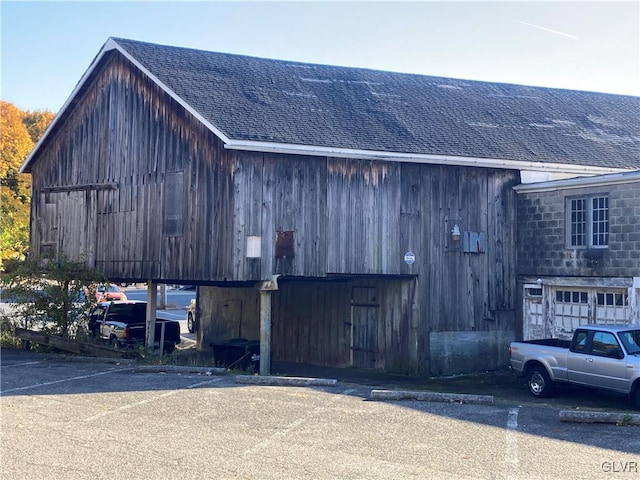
x=358, y=69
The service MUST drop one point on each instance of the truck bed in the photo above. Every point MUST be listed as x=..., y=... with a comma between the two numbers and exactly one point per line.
x=550, y=342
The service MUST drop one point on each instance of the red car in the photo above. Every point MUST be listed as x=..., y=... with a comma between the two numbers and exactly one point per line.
x=109, y=292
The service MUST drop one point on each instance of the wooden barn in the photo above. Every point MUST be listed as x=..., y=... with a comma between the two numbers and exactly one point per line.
x=342, y=216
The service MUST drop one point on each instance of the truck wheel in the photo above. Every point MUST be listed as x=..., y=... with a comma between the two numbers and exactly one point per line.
x=539, y=383
x=191, y=323
x=637, y=398
x=113, y=341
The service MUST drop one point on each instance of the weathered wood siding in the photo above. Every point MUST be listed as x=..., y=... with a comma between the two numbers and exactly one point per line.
x=458, y=290
x=146, y=192
x=374, y=215
x=226, y=313
x=463, y=288
x=314, y=321
x=277, y=193
x=363, y=209
x=162, y=183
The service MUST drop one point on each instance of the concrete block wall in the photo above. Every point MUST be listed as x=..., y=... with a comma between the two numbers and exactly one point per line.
x=541, y=244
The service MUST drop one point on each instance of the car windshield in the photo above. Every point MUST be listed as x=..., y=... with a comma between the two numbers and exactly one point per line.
x=631, y=341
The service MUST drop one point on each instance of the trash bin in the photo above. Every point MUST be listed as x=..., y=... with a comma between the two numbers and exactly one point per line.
x=237, y=353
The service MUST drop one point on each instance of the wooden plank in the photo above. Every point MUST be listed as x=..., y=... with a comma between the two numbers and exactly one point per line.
x=83, y=187
x=70, y=345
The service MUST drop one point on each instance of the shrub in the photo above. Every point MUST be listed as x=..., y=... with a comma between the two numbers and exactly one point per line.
x=49, y=295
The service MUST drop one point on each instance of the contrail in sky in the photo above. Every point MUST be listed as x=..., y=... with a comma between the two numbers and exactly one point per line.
x=549, y=30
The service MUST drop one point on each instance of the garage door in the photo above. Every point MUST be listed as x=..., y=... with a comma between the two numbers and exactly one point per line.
x=571, y=307
x=612, y=307
x=574, y=307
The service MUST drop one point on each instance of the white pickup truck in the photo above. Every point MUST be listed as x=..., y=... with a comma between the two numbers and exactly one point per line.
x=599, y=356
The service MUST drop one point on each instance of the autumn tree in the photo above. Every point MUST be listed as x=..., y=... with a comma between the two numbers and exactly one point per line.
x=19, y=131
x=37, y=122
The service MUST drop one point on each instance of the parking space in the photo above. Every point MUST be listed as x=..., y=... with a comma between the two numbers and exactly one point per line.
x=73, y=419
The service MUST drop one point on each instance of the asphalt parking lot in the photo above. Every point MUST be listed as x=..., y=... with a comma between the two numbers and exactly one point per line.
x=65, y=418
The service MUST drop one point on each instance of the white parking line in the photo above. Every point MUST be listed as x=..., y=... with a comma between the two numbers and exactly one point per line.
x=44, y=384
x=512, y=423
x=148, y=400
x=511, y=450
x=20, y=364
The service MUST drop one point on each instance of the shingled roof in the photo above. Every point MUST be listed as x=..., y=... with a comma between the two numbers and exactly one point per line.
x=264, y=104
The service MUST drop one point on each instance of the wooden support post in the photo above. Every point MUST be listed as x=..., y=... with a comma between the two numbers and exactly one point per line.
x=265, y=332
x=152, y=300
x=266, y=288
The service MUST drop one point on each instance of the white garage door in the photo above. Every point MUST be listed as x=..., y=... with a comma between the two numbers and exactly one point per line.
x=612, y=307
x=571, y=307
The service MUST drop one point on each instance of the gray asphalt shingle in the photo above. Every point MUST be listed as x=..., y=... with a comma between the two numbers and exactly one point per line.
x=257, y=99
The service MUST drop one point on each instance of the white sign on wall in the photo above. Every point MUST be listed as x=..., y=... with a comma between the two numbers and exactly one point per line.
x=254, y=246
x=409, y=258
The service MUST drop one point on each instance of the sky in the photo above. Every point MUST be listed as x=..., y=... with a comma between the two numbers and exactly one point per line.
x=46, y=47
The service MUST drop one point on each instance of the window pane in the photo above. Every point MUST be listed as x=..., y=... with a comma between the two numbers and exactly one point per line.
x=600, y=221
x=609, y=299
x=621, y=299
x=603, y=343
x=578, y=222
x=579, y=341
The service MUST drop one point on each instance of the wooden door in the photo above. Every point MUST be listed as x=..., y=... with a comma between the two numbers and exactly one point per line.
x=364, y=326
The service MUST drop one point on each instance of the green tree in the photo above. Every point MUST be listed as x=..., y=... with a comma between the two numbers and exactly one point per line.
x=50, y=295
x=18, y=133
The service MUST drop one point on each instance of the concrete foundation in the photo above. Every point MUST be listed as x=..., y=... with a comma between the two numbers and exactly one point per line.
x=454, y=352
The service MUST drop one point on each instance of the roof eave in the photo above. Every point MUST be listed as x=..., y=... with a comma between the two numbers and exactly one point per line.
x=632, y=176
x=296, y=149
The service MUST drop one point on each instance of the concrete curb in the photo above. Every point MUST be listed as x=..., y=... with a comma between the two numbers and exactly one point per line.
x=137, y=367
x=286, y=381
x=83, y=359
x=581, y=416
x=180, y=369
x=432, y=397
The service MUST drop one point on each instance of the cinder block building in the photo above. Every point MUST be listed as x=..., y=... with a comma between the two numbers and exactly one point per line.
x=579, y=253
